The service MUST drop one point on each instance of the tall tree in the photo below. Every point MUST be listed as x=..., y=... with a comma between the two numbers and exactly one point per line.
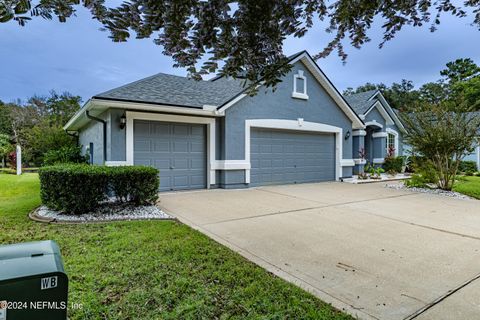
x=245, y=37
x=460, y=70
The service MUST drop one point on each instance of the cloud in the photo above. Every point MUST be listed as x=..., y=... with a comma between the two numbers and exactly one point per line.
x=77, y=57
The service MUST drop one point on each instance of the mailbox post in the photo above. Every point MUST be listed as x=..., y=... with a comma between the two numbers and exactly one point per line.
x=33, y=283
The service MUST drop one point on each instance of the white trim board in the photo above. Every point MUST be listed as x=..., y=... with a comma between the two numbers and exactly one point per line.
x=298, y=126
x=98, y=106
x=361, y=133
x=209, y=122
x=374, y=123
x=392, y=113
x=379, y=135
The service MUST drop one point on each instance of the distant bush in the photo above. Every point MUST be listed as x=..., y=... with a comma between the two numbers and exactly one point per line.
x=66, y=154
x=467, y=167
x=81, y=188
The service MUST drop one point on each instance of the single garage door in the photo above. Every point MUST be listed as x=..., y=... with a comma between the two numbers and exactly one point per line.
x=178, y=150
x=281, y=156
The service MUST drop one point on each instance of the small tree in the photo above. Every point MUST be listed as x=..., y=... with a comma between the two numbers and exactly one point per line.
x=5, y=147
x=442, y=136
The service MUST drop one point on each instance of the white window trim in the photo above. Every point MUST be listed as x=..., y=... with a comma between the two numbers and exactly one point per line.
x=396, y=142
x=210, y=122
x=298, y=126
x=296, y=93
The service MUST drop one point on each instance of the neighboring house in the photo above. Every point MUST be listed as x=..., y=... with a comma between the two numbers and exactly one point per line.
x=384, y=130
x=205, y=134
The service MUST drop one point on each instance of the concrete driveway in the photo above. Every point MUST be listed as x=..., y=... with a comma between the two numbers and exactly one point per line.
x=374, y=252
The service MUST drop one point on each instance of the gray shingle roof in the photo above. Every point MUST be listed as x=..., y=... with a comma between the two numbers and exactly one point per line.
x=175, y=90
x=359, y=101
x=179, y=91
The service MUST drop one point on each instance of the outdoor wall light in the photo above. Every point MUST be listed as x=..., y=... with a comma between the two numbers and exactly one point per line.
x=123, y=121
x=347, y=135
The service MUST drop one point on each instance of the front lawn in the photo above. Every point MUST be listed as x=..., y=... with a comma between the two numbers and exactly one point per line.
x=153, y=269
x=469, y=186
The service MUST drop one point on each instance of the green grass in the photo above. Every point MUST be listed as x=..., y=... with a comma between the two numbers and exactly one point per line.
x=469, y=186
x=153, y=269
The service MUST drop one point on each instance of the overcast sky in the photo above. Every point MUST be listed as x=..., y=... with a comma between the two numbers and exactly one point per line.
x=77, y=57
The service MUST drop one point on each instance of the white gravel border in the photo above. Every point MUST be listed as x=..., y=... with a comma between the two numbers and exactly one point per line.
x=104, y=213
x=440, y=192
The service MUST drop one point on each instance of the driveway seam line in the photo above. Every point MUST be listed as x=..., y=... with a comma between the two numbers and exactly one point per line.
x=279, y=268
x=441, y=298
x=301, y=209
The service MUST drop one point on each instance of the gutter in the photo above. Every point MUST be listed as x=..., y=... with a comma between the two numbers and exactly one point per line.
x=104, y=133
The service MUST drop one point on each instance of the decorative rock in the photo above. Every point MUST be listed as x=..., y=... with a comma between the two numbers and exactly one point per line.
x=108, y=212
x=452, y=194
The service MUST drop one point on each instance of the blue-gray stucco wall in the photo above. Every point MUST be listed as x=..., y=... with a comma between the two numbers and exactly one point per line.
x=374, y=114
x=93, y=133
x=116, y=141
x=320, y=108
x=116, y=137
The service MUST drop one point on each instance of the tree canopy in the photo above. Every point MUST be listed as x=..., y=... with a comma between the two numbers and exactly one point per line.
x=460, y=80
x=37, y=124
x=244, y=38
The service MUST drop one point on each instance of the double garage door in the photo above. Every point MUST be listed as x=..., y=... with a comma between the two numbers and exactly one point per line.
x=179, y=151
x=281, y=157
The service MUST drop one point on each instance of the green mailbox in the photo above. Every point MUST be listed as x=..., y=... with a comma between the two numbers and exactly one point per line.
x=33, y=283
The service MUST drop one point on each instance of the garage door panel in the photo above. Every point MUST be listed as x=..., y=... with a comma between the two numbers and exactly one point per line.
x=177, y=150
x=291, y=157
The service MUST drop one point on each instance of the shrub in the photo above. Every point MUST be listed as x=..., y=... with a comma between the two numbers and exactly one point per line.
x=73, y=188
x=66, y=154
x=135, y=184
x=468, y=167
x=416, y=181
x=393, y=164
x=81, y=188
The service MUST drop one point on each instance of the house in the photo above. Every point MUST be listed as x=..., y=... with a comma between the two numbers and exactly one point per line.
x=206, y=134
x=383, y=129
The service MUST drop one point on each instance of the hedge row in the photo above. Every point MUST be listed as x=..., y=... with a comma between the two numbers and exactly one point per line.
x=80, y=188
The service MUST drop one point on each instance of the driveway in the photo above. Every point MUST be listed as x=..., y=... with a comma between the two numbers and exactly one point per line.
x=374, y=252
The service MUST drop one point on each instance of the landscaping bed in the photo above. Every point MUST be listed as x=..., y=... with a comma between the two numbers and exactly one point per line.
x=153, y=269
x=451, y=194
x=107, y=212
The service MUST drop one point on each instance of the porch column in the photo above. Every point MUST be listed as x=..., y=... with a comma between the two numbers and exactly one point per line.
x=358, y=150
x=379, y=147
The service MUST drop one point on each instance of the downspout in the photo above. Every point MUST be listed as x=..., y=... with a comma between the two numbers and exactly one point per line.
x=104, y=133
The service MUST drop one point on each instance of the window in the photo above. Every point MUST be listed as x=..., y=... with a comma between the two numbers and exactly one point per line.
x=299, y=86
x=392, y=143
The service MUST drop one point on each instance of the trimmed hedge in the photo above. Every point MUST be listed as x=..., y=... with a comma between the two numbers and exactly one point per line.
x=80, y=188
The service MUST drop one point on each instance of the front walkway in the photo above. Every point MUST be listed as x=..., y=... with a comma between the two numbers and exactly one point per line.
x=377, y=253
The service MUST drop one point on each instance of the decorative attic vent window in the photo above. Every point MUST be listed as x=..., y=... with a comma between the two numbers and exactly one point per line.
x=299, y=86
